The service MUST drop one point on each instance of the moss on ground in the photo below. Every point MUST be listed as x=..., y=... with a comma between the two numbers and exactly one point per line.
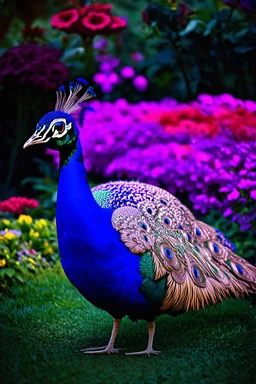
x=46, y=322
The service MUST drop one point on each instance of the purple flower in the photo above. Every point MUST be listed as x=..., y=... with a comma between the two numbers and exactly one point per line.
x=127, y=72
x=100, y=44
x=137, y=57
x=253, y=194
x=140, y=83
x=31, y=63
x=106, y=81
x=122, y=141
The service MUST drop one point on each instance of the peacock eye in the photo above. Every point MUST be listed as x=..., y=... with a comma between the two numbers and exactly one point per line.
x=60, y=126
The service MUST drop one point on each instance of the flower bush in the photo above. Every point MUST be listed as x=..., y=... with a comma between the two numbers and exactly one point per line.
x=18, y=205
x=31, y=63
x=192, y=150
x=26, y=246
x=90, y=20
x=111, y=75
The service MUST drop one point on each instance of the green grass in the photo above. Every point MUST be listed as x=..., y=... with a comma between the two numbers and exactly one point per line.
x=46, y=322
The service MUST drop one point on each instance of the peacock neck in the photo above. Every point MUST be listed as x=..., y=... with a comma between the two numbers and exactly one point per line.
x=73, y=183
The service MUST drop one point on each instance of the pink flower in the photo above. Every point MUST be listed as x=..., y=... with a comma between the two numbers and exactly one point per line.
x=127, y=72
x=234, y=195
x=96, y=22
x=140, y=83
x=253, y=194
x=17, y=205
x=65, y=20
x=137, y=57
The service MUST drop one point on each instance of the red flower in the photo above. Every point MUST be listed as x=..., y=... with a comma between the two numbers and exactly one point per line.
x=17, y=204
x=186, y=119
x=89, y=20
x=96, y=23
x=117, y=24
x=65, y=20
x=242, y=123
x=106, y=8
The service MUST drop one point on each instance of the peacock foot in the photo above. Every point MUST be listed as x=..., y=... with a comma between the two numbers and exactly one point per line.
x=148, y=352
x=101, y=350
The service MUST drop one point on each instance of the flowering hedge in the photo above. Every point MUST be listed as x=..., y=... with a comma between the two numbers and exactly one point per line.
x=26, y=246
x=16, y=205
x=204, y=150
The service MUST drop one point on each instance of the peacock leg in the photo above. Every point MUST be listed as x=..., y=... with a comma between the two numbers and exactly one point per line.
x=149, y=350
x=107, y=348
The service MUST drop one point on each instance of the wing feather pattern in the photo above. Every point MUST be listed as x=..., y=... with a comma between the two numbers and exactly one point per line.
x=200, y=270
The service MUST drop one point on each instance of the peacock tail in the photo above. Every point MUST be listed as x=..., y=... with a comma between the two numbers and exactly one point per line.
x=185, y=263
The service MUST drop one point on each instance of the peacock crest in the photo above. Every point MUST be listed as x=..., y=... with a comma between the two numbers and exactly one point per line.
x=68, y=99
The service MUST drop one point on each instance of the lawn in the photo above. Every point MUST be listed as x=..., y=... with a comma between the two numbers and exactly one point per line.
x=46, y=322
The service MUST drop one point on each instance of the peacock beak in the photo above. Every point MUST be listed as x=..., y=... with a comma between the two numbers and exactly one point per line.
x=36, y=138
x=30, y=141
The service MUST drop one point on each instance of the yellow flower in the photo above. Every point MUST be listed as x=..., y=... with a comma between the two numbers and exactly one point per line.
x=49, y=251
x=6, y=222
x=40, y=224
x=1, y=237
x=25, y=219
x=32, y=261
x=17, y=263
x=2, y=262
x=43, y=222
x=34, y=234
x=9, y=235
x=39, y=257
x=46, y=243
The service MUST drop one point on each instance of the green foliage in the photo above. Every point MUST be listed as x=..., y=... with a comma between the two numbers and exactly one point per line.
x=46, y=322
x=26, y=246
x=206, y=50
x=243, y=240
x=45, y=189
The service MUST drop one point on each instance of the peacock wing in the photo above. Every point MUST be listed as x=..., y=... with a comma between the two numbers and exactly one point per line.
x=198, y=269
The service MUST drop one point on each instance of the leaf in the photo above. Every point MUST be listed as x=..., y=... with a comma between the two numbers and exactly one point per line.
x=20, y=278
x=244, y=49
x=210, y=27
x=191, y=26
x=7, y=271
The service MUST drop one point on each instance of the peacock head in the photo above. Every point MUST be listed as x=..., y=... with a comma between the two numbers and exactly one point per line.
x=58, y=128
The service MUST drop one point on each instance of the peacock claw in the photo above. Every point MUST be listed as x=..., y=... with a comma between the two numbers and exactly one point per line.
x=101, y=350
x=148, y=352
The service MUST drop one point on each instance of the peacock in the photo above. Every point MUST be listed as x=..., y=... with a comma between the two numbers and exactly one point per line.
x=130, y=248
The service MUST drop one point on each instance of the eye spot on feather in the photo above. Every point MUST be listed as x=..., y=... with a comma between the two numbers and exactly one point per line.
x=150, y=211
x=197, y=248
x=163, y=202
x=188, y=236
x=167, y=221
x=240, y=269
x=196, y=273
x=182, y=208
x=198, y=232
x=144, y=226
x=216, y=248
x=145, y=238
x=180, y=226
x=168, y=253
